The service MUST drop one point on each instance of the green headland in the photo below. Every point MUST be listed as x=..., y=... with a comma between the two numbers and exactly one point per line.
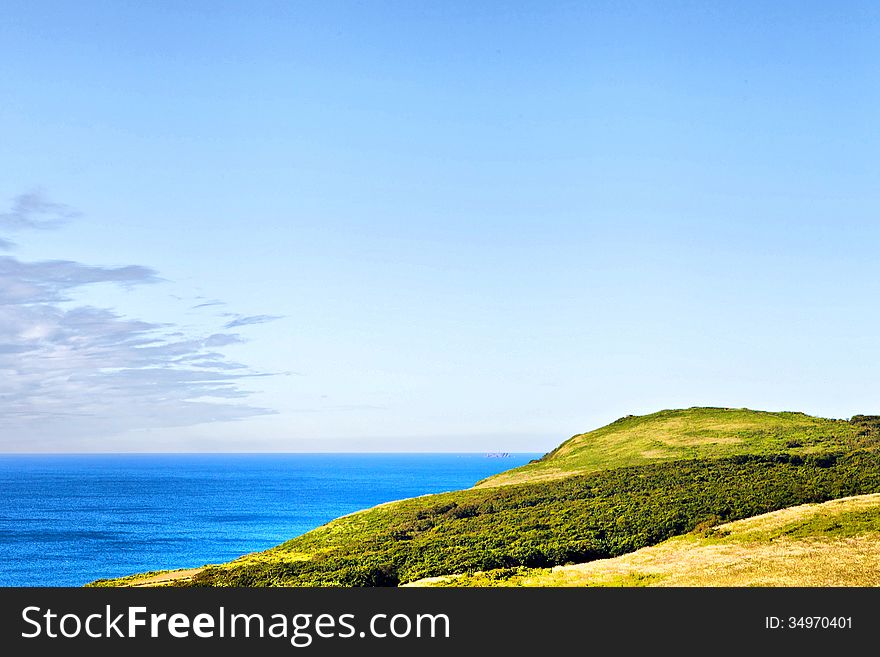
x=700, y=496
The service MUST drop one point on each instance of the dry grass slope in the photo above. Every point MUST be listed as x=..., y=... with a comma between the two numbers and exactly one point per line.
x=835, y=543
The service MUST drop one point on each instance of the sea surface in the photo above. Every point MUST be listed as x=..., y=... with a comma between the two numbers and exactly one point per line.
x=69, y=519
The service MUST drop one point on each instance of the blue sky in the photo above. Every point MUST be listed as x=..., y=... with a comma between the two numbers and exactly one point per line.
x=397, y=226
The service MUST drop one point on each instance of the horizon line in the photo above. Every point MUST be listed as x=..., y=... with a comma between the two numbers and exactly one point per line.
x=250, y=453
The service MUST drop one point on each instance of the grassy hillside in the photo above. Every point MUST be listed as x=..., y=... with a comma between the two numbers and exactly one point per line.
x=633, y=484
x=685, y=434
x=572, y=520
x=836, y=543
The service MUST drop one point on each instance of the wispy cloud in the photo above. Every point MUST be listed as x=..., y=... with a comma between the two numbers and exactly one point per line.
x=48, y=281
x=34, y=210
x=242, y=320
x=208, y=304
x=68, y=372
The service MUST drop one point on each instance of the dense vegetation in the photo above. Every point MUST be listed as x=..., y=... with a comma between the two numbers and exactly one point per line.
x=575, y=519
x=835, y=543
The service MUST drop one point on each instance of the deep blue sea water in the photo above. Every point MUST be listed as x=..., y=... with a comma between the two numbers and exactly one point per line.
x=69, y=519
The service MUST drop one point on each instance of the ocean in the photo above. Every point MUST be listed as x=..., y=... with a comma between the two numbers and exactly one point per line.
x=69, y=519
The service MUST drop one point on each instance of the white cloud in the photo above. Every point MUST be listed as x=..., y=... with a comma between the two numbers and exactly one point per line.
x=70, y=371
x=241, y=320
x=34, y=211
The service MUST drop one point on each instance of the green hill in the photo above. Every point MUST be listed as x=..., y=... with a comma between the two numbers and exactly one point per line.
x=633, y=484
x=685, y=434
x=835, y=543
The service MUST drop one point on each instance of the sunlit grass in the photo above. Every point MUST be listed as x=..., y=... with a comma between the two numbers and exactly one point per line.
x=835, y=543
x=681, y=434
